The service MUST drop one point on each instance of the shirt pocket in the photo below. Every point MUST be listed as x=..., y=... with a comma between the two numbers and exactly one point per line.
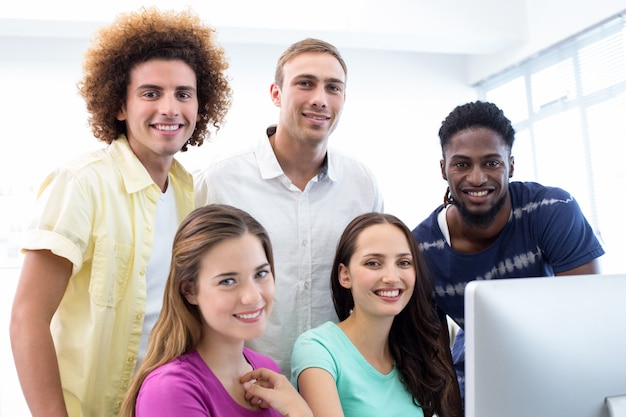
x=112, y=262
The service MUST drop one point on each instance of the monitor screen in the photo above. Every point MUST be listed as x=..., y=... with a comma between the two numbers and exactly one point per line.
x=553, y=347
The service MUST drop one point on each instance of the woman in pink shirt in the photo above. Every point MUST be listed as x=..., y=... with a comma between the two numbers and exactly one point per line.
x=219, y=294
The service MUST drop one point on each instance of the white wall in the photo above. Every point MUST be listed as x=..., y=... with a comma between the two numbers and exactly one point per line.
x=432, y=26
x=549, y=22
x=395, y=103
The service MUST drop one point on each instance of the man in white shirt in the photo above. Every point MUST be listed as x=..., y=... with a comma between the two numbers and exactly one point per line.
x=302, y=192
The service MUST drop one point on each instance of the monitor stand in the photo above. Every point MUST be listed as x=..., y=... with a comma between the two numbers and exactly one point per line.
x=616, y=406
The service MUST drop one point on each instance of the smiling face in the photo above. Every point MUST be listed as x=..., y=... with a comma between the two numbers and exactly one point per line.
x=161, y=108
x=477, y=166
x=381, y=272
x=235, y=289
x=311, y=97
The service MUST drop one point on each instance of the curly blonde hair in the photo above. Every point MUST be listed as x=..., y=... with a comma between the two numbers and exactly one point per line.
x=138, y=37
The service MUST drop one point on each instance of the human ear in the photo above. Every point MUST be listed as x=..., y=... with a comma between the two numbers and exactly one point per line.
x=121, y=114
x=344, y=276
x=275, y=94
x=188, y=290
x=511, y=166
x=442, y=164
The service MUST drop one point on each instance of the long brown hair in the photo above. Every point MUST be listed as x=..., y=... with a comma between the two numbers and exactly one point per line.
x=179, y=326
x=424, y=366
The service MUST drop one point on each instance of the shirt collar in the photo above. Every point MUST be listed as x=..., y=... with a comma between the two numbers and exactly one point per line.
x=134, y=175
x=270, y=168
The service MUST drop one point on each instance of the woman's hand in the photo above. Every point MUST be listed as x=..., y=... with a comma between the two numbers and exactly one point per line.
x=266, y=388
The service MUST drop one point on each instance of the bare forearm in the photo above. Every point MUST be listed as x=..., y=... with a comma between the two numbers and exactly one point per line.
x=305, y=412
x=37, y=369
x=43, y=280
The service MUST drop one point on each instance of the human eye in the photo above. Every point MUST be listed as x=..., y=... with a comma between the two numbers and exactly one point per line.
x=150, y=94
x=335, y=88
x=184, y=95
x=460, y=164
x=405, y=263
x=263, y=273
x=493, y=164
x=227, y=282
x=372, y=263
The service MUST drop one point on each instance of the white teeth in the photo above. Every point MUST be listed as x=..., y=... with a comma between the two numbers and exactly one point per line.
x=166, y=127
x=478, y=193
x=393, y=293
x=249, y=316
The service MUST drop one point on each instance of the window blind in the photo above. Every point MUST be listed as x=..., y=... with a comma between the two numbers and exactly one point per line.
x=567, y=104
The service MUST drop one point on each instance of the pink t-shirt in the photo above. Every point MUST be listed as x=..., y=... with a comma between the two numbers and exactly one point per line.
x=187, y=387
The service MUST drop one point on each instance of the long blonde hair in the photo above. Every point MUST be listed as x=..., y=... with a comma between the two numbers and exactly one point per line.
x=179, y=326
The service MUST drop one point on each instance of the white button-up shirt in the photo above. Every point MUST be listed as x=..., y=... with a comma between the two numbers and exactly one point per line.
x=304, y=228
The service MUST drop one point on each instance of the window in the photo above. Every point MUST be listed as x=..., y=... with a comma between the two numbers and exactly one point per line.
x=567, y=104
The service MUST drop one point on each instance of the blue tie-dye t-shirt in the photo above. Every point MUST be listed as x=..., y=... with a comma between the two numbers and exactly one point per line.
x=546, y=234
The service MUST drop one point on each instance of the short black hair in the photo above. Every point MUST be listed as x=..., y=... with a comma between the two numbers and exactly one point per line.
x=477, y=114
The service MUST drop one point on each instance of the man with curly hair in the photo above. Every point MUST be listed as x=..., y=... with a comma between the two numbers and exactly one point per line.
x=97, y=256
x=489, y=227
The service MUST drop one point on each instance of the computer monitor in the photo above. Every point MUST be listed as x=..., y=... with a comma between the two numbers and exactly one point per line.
x=553, y=347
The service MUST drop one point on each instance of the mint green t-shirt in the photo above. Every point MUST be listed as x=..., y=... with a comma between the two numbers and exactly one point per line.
x=363, y=391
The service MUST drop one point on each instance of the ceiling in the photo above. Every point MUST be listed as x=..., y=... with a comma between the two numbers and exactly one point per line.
x=472, y=27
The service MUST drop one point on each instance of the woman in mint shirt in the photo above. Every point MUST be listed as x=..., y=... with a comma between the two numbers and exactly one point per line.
x=384, y=357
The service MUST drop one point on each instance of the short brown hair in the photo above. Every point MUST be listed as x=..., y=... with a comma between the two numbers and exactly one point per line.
x=148, y=34
x=303, y=46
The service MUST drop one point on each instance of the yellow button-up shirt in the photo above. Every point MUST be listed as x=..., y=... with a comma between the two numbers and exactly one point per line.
x=99, y=213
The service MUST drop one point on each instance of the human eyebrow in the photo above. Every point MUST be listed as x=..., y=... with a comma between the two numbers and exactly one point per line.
x=493, y=156
x=372, y=255
x=461, y=157
x=185, y=88
x=160, y=88
x=334, y=81
x=223, y=275
x=263, y=266
x=149, y=87
x=330, y=80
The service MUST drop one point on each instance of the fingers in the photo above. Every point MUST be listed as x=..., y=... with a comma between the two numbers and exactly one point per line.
x=259, y=384
x=266, y=376
x=266, y=388
x=252, y=382
x=253, y=396
x=257, y=401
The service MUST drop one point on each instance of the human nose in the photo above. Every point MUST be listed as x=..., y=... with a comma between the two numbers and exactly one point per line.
x=250, y=293
x=391, y=275
x=476, y=176
x=319, y=97
x=168, y=106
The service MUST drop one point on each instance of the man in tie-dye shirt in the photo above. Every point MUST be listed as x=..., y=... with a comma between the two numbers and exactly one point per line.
x=490, y=228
